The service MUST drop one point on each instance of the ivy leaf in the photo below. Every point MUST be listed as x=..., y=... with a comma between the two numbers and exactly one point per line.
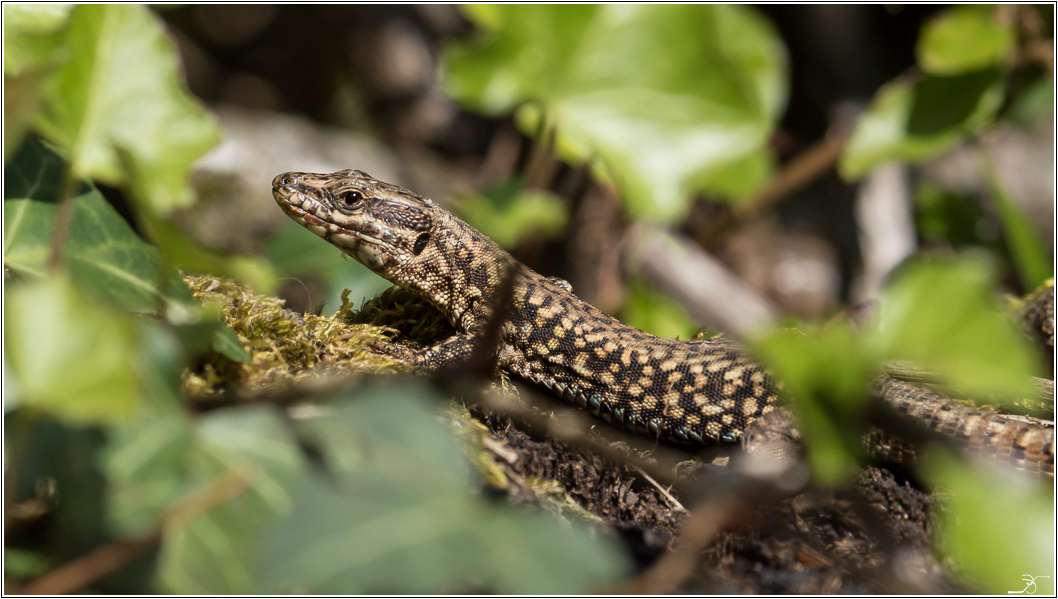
x=667, y=98
x=102, y=251
x=396, y=515
x=915, y=122
x=32, y=34
x=939, y=313
x=32, y=44
x=212, y=553
x=826, y=372
x=963, y=39
x=118, y=107
x=996, y=528
x=70, y=356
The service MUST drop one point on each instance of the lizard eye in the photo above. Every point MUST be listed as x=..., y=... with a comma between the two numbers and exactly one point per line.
x=350, y=198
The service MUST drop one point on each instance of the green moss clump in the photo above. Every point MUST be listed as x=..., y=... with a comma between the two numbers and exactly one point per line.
x=285, y=345
x=418, y=321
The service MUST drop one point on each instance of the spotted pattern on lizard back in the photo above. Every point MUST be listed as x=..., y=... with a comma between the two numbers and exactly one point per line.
x=688, y=391
x=685, y=391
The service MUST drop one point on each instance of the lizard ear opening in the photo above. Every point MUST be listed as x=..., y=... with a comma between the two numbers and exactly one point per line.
x=420, y=243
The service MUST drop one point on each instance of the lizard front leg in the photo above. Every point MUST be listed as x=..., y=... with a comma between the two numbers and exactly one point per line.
x=452, y=353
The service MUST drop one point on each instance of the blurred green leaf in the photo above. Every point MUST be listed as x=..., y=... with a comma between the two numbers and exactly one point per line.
x=297, y=252
x=71, y=357
x=227, y=343
x=119, y=109
x=32, y=34
x=62, y=457
x=397, y=515
x=666, y=97
x=1031, y=258
x=940, y=314
x=998, y=530
x=191, y=257
x=147, y=470
x=964, y=38
x=1033, y=104
x=507, y=213
x=20, y=564
x=102, y=252
x=35, y=173
x=916, y=122
x=947, y=103
x=145, y=459
x=827, y=372
x=945, y=216
x=32, y=40
x=211, y=554
x=648, y=309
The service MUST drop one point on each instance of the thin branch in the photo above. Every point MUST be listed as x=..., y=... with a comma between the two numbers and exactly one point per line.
x=673, y=502
x=804, y=168
x=80, y=572
x=62, y=218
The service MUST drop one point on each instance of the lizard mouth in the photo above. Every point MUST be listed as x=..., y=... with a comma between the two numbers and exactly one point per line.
x=316, y=216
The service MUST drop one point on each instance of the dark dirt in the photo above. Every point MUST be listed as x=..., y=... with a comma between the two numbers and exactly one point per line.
x=871, y=537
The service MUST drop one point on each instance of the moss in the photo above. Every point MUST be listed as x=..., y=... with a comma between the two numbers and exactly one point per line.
x=284, y=345
x=418, y=321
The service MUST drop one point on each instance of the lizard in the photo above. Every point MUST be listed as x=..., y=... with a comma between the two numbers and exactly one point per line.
x=692, y=391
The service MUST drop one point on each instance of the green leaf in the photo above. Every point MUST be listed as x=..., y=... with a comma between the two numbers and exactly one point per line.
x=211, y=554
x=666, y=98
x=1031, y=259
x=102, y=252
x=119, y=109
x=70, y=357
x=145, y=460
x=913, y=123
x=996, y=529
x=1033, y=103
x=20, y=564
x=32, y=35
x=945, y=216
x=964, y=38
x=507, y=213
x=396, y=515
x=950, y=103
x=826, y=372
x=373, y=535
x=227, y=343
x=147, y=471
x=940, y=314
x=32, y=49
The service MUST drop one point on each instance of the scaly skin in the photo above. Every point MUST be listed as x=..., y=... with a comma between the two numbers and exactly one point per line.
x=685, y=391
x=688, y=391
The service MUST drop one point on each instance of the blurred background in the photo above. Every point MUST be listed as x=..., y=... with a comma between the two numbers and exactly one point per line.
x=323, y=88
x=733, y=167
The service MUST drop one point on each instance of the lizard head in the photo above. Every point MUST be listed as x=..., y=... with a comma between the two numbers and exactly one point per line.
x=382, y=226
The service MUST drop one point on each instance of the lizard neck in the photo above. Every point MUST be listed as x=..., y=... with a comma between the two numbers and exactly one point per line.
x=460, y=272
